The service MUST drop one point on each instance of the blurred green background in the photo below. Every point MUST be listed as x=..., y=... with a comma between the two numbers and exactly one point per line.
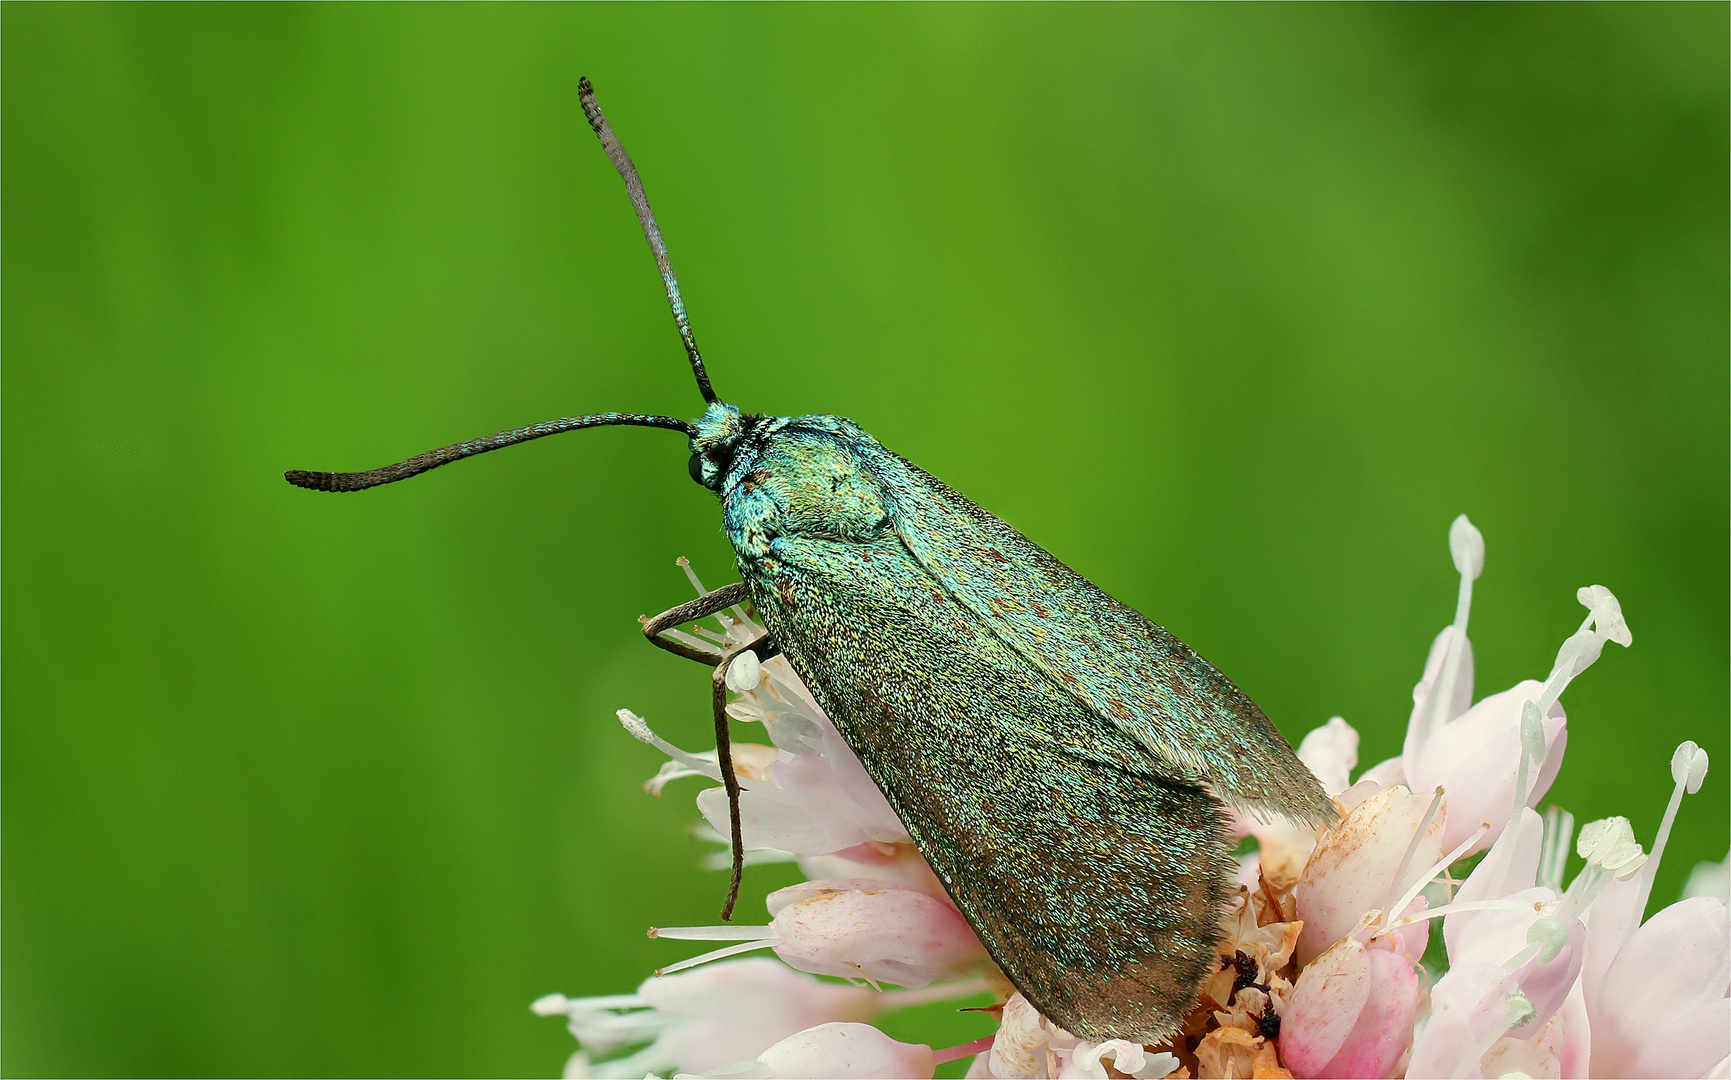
x=1231, y=308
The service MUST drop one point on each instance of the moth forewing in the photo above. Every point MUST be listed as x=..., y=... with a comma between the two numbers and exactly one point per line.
x=1093, y=868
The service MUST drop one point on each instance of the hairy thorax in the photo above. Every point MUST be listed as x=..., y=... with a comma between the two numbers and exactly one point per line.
x=803, y=480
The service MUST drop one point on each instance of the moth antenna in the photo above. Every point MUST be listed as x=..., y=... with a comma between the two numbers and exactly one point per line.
x=651, y=231
x=444, y=455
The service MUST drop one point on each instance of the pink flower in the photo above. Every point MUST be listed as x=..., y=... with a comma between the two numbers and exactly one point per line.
x=861, y=929
x=1351, y=1011
x=872, y=930
x=1656, y=991
x=1319, y=949
x=1661, y=1008
x=839, y=1050
x=703, y=1019
x=1476, y=753
x=1028, y=1046
x=1529, y=980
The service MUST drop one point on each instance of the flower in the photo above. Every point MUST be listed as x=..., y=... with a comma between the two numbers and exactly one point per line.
x=1351, y=1013
x=1710, y=879
x=834, y=1049
x=1029, y=1045
x=1655, y=992
x=872, y=930
x=1475, y=752
x=1320, y=948
x=703, y=1019
x=1372, y=860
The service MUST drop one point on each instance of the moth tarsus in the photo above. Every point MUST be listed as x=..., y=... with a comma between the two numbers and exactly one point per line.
x=1061, y=761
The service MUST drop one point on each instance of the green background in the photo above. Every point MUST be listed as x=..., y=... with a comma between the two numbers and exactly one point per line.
x=1231, y=308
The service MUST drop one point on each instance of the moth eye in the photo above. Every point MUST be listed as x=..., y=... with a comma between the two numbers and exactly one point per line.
x=697, y=467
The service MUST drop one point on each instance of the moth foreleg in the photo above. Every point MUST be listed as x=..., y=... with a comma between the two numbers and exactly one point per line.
x=707, y=604
x=654, y=629
x=764, y=648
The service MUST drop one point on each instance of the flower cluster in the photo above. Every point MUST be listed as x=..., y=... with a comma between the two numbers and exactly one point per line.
x=1322, y=969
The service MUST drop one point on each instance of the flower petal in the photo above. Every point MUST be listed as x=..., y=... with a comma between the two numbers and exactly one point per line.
x=1353, y=868
x=843, y=1050
x=1675, y=964
x=1330, y=752
x=732, y=1011
x=1476, y=758
x=886, y=935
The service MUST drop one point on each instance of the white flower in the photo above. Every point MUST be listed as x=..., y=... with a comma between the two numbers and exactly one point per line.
x=1656, y=991
x=1528, y=981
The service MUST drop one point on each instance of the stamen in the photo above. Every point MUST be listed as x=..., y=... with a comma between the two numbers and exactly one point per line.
x=957, y=1053
x=550, y=1005
x=902, y=999
x=718, y=954
x=1607, y=614
x=688, y=639
x=1688, y=769
x=1455, y=909
x=1412, y=848
x=1467, y=546
x=669, y=772
x=1545, y=939
x=1438, y=868
x=559, y=1004
x=1532, y=750
x=1550, y=936
x=1578, y=653
x=723, y=860
x=1554, y=850
x=745, y=673
x=1604, y=622
x=639, y=729
x=691, y=575
x=714, y=933
x=1611, y=852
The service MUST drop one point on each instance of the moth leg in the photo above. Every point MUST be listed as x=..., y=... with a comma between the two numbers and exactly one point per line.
x=653, y=629
x=764, y=648
x=707, y=604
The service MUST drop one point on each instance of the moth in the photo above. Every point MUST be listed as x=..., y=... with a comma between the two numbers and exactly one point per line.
x=1063, y=763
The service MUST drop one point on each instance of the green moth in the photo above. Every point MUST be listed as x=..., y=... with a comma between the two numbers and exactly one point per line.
x=1063, y=763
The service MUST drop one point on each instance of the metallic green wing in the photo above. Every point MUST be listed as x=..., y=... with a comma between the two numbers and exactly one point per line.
x=1094, y=881
x=1105, y=654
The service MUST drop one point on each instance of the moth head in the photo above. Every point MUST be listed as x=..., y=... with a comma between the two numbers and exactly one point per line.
x=715, y=436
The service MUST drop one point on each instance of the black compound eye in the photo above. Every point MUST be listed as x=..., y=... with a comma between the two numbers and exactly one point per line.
x=697, y=467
